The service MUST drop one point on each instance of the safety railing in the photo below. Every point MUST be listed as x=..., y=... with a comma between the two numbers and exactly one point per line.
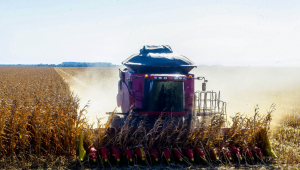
x=208, y=103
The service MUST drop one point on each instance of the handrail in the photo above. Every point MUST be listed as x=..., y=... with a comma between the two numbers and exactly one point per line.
x=208, y=102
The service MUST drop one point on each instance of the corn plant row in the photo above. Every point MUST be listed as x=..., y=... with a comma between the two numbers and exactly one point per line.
x=39, y=116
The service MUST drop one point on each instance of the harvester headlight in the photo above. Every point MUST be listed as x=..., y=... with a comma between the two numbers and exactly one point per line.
x=146, y=75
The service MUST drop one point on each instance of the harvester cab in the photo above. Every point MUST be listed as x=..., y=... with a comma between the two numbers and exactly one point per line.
x=156, y=82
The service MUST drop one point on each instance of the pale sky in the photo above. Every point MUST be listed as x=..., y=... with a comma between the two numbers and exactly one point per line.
x=233, y=32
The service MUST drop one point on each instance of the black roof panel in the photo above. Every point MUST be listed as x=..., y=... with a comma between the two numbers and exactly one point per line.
x=153, y=58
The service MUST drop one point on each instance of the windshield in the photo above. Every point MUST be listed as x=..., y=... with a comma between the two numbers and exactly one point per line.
x=166, y=96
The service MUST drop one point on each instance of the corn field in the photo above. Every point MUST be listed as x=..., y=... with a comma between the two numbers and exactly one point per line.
x=286, y=139
x=39, y=116
x=40, y=123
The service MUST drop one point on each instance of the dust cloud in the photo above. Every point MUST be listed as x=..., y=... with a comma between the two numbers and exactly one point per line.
x=97, y=87
x=241, y=87
x=245, y=87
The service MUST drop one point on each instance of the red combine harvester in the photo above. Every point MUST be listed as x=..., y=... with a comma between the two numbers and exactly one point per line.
x=156, y=86
x=157, y=81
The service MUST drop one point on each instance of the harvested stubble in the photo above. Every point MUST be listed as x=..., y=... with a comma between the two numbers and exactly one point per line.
x=39, y=118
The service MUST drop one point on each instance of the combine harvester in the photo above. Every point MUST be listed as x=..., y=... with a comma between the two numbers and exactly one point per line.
x=164, y=119
x=157, y=81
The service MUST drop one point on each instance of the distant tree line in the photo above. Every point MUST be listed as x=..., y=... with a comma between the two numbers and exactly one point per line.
x=66, y=64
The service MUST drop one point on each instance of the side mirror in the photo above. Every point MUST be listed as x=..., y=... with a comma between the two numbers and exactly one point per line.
x=130, y=85
x=203, y=86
